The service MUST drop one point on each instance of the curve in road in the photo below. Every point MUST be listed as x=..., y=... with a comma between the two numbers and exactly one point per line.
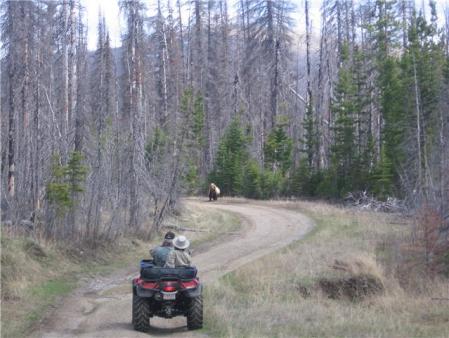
x=93, y=312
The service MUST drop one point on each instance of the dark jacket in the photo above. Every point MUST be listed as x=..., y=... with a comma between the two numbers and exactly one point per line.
x=160, y=254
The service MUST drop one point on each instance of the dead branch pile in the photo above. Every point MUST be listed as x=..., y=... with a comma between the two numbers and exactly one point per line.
x=364, y=201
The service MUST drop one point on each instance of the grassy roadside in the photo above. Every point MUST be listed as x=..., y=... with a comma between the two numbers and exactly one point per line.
x=35, y=276
x=267, y=298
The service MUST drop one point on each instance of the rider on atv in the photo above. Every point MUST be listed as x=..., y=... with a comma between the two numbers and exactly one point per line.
x=161, y=253
x=168, y=291
x=180, y=256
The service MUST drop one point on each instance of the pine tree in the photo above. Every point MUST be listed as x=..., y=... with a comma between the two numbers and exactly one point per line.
x=344, y=107
x=392, y=106
x=66, y=182
x=156, y=147
x=423, y=65
x=231, y=159
x=310, y=141
x=270, y=184
x=192, y=108
x=391, y=94
x=301, y=181
x=278, y=150
x=251, y=180
x=383, y=176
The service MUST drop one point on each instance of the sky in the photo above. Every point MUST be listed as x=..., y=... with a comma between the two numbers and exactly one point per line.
x=111, y=12
x=114, y=20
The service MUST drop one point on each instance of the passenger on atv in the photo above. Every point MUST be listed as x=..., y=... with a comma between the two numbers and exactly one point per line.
x=169, y=291
x=180, y=256
x=161, y=253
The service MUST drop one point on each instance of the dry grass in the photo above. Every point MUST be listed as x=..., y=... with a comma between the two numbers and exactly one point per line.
x=207, y=224
x=34, y=276
x=267, y=298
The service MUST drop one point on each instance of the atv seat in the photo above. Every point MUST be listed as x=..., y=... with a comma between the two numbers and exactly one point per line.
x=151, y=272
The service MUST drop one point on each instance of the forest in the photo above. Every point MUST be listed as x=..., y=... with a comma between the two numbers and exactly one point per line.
x=95, y=144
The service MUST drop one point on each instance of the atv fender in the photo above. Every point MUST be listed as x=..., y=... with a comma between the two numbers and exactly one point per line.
x=194, y=292
x=143, y=293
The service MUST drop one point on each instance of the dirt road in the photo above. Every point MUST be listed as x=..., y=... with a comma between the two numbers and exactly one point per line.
x=103, y=308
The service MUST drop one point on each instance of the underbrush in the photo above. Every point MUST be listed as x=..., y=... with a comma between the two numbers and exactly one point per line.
x=320, y=286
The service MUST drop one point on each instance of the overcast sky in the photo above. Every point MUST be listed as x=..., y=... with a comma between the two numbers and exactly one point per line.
x=111, y=11
x=114, y=21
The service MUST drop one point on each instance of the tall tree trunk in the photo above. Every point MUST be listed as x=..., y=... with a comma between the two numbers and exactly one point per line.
x=65, y=82
x=181, y=44
x=418, y=128
x=71, y=64
x=11, y=130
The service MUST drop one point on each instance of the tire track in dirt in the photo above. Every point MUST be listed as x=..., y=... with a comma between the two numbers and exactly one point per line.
x=91, y=311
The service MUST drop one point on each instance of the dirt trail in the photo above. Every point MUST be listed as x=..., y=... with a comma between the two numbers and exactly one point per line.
x=103, y=308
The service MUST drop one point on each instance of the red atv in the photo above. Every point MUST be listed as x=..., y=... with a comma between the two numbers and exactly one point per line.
x=166, y=293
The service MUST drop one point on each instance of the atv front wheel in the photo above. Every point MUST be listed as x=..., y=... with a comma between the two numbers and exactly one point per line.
x=195, y=313
x=141, y=314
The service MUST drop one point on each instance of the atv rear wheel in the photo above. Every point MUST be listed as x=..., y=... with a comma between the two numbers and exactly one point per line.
x=195, y=313
x=141, y=314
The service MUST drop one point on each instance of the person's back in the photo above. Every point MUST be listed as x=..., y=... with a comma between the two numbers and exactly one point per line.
x=160, y=254
x=180, y=256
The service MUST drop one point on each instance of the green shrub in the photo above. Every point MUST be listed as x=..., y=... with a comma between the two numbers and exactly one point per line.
x=66, y=181
x=251, y=180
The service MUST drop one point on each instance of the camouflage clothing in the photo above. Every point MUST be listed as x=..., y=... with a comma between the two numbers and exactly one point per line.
x=160, y=254
x=178, y=258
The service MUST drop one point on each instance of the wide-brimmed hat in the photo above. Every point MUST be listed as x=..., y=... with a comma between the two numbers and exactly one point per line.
x=181, y=242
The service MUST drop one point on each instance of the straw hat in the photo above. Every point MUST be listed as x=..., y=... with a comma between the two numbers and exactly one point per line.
x=181, y=242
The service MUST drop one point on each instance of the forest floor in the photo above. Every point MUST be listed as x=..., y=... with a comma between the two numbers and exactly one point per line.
x=38, y=277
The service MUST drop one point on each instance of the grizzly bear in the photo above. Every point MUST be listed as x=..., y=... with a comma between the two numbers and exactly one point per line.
x=214, y=192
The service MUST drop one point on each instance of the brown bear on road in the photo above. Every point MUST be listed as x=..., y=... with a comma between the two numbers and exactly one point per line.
x=214, y=192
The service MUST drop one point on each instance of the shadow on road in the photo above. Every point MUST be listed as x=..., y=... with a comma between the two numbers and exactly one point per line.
x=117, y=326
x=166, y=331
x=154, y=330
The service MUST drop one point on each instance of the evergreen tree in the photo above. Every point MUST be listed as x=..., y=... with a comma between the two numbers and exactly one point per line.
x=392, y=106
x=344, y=107
x=278, y=150
x=310, y=141
x=391, y=96
x=423, y=73
x=301, y=181
x=67, y=181
x=251, y=180
x=156, y=146
x=270, y=184
x=231, y=159
x=192, y=108
x=383, y=176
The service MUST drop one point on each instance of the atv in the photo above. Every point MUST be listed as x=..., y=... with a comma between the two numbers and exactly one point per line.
x=166, y=293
